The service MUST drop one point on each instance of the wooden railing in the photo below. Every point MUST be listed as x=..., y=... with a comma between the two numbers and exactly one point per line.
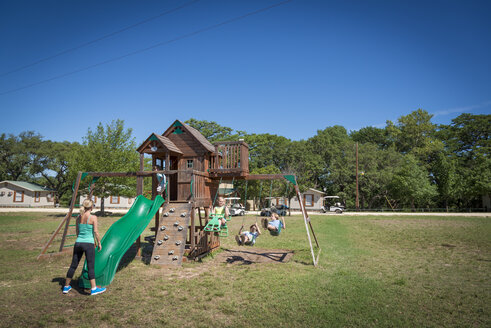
x=232, y=157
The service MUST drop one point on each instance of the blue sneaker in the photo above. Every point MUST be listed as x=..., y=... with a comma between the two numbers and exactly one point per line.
x=98, y=290
x=66, y=289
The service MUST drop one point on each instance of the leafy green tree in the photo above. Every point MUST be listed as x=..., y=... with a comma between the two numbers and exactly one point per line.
x=52, y=164
x=213, y=131
x=410, y=184
x=260, y=190
x=467, y=141
x=370, y=134
x=415, y=134
x=333, y=160
x=109, y=148
x=267, y=150
x=376, y=168
x=445, y=178
x=17, y=153
x=307, y=166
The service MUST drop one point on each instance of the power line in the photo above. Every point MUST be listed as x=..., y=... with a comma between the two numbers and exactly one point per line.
x=185, y=36
x=98, y=39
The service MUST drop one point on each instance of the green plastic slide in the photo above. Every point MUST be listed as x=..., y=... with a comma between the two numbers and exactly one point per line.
x=119, y=238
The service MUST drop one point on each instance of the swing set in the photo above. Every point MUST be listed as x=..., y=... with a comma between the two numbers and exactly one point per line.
x=215, y=226
x=193, y=167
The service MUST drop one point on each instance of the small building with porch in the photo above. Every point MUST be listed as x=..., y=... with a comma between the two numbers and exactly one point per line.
x=25, y=194
x=312, y=199
x=111, y=202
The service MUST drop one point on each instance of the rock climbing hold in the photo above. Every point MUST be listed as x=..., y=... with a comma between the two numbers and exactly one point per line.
x=160, y=242
x=180, y=228
x=178, y=242
x=157, y=257
x=171, y=252
x=162, y=228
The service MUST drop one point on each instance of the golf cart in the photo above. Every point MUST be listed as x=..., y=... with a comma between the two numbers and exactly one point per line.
x=234, y=207
x=281, y=210
x=332, y=204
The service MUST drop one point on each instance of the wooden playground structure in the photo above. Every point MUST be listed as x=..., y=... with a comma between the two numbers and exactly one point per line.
x=193, y=168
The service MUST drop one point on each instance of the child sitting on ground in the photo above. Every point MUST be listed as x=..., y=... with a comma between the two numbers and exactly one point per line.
x=274, y=225
x=248, y=237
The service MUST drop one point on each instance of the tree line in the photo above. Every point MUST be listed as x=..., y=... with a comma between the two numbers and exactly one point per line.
x=411, y=163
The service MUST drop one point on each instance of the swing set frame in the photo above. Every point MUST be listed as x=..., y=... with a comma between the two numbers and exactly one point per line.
x=308, y=224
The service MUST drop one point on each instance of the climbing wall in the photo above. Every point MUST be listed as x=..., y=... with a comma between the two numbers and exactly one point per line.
x=170, y=243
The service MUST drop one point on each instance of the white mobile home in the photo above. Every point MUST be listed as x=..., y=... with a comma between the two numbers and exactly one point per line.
x=113, y=202
x=312, y=199
x=25, y=194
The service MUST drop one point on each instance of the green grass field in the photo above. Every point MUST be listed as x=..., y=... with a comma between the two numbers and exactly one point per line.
x=373, y=272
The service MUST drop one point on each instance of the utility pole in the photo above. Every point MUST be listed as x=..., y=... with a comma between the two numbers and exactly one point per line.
x=357, y=202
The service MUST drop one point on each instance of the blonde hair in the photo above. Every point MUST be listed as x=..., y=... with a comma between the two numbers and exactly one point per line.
x=86, y=205
x=275, y=216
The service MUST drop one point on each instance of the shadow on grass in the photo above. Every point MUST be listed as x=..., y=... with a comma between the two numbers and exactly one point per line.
x=247, y=257
x=130, y=255
x=74, y=284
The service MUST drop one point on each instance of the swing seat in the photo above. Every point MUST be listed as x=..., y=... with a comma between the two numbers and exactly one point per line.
x=213, y=224
x=277, y=232
x=223, y=231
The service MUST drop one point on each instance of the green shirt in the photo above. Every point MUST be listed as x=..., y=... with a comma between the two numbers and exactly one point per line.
x=85, y=233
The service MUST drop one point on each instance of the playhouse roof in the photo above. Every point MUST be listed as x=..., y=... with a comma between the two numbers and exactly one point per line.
x=201, y=138
x=163, y=141
x=193, y=132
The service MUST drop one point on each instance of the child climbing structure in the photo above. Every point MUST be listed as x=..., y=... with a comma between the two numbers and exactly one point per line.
x=193, y=168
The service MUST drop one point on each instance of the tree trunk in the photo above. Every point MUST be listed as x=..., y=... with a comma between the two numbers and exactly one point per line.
x=102, y=207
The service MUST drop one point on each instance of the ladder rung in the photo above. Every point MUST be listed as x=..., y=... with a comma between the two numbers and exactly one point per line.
x=68, y=245
x=72, y=225
x=70, y=235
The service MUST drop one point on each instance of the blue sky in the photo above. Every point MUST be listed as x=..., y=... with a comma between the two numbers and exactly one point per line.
x=290, y=70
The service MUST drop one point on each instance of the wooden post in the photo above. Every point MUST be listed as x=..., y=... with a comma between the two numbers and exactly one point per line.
x=192, y=236
x=72, y=204
x=139, y=191
x=139, y=179
x=200, y=219
x=306, y=218
x=67, y=217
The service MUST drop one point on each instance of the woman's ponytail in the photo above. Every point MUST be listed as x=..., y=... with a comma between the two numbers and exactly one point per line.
x=86, y=205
